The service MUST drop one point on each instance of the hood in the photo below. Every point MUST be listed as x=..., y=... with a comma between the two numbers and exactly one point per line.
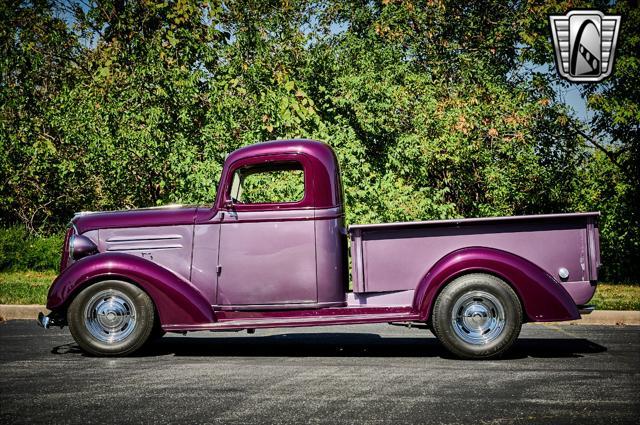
x=144, y=217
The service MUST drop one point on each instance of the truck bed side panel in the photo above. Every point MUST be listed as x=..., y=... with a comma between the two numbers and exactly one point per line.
x=391, y=258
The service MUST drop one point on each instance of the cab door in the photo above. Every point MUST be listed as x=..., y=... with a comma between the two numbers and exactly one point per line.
x=267, y=240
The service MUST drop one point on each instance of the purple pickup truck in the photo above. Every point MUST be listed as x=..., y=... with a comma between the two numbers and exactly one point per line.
x=273, y=252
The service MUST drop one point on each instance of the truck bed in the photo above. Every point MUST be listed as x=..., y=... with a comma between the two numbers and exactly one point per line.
x=394, y=257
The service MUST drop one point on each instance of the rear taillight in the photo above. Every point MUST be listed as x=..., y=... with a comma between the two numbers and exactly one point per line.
x=65, y=249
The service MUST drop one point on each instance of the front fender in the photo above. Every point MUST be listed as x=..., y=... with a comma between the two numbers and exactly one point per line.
x=177, y=301
x=543, y=298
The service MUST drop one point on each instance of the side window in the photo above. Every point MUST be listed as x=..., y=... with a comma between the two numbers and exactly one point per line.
x=274, y=183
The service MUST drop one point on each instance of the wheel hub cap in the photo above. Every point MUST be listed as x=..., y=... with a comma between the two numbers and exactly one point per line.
x=110, y=316
x=478, y=317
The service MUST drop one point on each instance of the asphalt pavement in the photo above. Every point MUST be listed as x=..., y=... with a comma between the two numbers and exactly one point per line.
x=364, y=374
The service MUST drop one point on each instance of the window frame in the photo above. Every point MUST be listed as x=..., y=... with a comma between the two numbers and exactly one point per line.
x=299, y=159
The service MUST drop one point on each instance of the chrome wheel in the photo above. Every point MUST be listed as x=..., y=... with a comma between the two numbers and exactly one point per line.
x=478, y=317
x=110, y=316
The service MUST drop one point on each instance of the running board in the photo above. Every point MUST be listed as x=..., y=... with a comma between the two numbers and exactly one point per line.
x=293, y=322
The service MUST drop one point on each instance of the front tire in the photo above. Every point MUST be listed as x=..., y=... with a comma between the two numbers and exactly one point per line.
x=111, y=318
x=477, y=316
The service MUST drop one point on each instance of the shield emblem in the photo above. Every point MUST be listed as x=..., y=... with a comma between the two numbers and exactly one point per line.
x=584, y=42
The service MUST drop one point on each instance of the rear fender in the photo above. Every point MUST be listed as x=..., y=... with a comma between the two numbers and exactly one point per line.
x=542, y=297
x=177, y=301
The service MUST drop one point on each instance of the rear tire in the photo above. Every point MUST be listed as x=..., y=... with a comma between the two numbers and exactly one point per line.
x=477, y=316
x=111, y=318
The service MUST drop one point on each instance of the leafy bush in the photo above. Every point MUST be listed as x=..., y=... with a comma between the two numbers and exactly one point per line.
x=21, y=251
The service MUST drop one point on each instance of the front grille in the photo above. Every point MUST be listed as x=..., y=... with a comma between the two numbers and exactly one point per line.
x=65, y=249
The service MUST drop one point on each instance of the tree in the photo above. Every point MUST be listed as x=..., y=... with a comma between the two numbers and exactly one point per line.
x=37, y=61
x=435, y=108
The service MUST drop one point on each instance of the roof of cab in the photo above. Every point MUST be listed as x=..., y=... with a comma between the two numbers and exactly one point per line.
x=324, y=165
x=312, y=148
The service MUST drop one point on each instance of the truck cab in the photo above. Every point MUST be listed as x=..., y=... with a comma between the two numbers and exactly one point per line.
x=277, y=230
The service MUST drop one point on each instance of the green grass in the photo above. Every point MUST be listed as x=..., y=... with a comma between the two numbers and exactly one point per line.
x=31, y=288
x=617, y=297
x=25, y=287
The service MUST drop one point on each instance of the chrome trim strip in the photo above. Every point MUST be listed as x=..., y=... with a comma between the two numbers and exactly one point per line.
x=142, y=248
x=121, y=239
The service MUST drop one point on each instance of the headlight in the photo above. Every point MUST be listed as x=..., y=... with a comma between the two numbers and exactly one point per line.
x=81, y=246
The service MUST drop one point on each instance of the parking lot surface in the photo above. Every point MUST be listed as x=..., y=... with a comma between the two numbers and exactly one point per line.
x=365, y=374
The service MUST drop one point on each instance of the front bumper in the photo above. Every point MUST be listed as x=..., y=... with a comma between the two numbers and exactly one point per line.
x=43, y=320
x=52, y=319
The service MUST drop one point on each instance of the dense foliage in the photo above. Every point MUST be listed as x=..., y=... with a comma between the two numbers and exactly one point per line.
x=436, y=109
x=20, y=250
